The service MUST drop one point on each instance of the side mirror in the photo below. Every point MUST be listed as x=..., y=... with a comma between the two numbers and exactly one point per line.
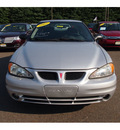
x=98, y=37
x=23, y=36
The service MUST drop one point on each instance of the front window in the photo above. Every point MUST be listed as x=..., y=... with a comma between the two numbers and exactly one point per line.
x=29, y=27
x=109, y=27
x=61, y=31
x=14, y=28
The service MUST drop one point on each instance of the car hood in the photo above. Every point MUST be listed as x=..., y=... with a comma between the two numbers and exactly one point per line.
x=60, y=55
x=110, y=33
x=10, y=34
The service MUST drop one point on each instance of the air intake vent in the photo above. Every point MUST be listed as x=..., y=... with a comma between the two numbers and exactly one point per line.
x=48, y=75
x=74, y=75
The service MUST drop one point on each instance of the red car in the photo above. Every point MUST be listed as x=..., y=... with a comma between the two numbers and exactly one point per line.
x=110, y=32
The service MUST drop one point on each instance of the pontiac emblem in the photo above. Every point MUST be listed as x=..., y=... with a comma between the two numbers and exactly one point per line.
x=61, y=75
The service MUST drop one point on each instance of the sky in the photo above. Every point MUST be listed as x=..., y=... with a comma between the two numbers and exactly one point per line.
x=59, y=3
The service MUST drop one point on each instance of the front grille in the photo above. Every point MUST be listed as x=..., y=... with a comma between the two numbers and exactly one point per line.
x=62, y=100
x=74, y=75
x=9, y=40
x=48, y=75
x=55, y=75
x=80, y=100
x=35, y=99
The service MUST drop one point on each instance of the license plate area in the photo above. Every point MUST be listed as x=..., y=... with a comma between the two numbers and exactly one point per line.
x=60, y=91
x=3, y=45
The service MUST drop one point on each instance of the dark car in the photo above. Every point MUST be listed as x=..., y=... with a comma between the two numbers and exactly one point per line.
x=33, y=25
x=9, y=34
x=2, y=25
x=109, y=31
x=91, y=25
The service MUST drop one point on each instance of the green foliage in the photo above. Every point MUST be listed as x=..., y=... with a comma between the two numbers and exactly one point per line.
x=4, y=15
x=36, y=14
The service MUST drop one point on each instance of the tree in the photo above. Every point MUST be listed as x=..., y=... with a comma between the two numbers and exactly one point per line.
x=36, y=14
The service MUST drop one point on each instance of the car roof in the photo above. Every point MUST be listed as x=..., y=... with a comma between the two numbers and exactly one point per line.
x=108, y=22
x=60, y=20
x=17, y=23
x=33, y=23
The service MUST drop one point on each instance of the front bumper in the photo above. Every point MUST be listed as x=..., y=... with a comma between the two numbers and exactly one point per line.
x=14, y=44
x=61, y=92
x=110, y=43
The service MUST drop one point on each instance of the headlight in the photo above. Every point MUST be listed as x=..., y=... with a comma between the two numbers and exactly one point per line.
x=18, y=71
x=16, y=38
x=104, y=71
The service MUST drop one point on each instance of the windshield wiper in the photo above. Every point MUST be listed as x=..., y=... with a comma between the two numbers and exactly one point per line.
x=38, y=39
x=70, y=39
x=59, y=39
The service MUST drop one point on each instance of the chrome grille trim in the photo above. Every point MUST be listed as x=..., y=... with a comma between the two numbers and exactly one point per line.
x=62, y=101
x=113, y=37
x=87, y=98
x=35, y=98
x=66, y=75
x=34, y=101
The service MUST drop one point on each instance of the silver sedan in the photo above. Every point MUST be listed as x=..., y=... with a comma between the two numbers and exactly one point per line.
x=61, y=64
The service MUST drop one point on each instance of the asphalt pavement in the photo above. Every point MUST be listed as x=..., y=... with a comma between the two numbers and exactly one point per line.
x=12, y=111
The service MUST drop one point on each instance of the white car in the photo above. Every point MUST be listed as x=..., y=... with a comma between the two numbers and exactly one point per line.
x=61, y=64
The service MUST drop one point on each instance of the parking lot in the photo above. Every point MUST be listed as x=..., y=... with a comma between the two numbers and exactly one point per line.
x=12, y=111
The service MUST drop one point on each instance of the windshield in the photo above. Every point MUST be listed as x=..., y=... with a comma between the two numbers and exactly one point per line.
x=33, y=25
x=61, y=31
x=1, y=26
x=109, y=27
x=14, y=28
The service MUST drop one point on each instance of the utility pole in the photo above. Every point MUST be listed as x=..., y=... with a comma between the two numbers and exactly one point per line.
x=51, y=12
x=107, y=14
